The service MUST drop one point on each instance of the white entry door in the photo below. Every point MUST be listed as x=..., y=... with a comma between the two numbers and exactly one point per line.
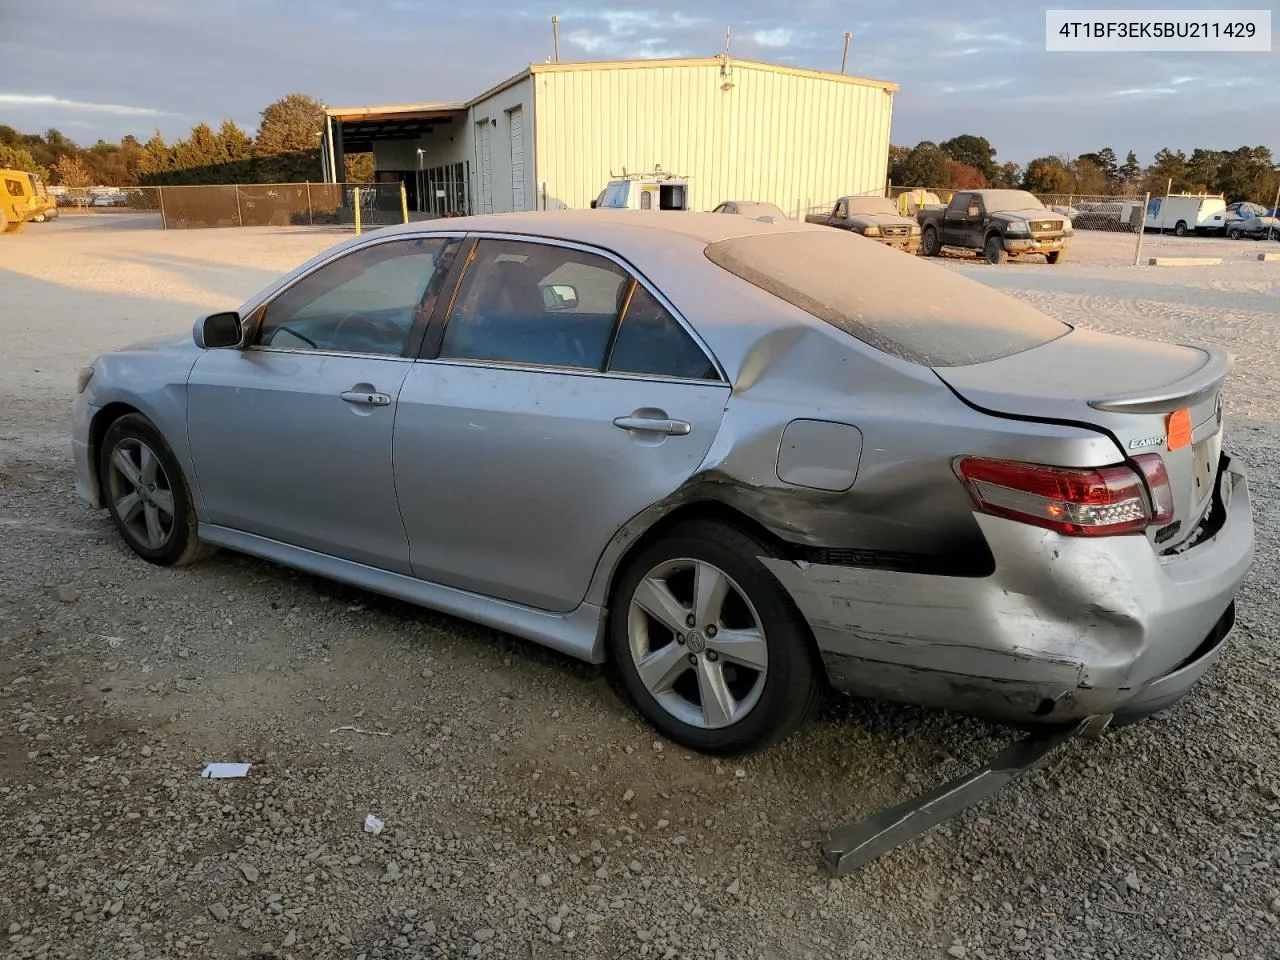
x=517, y=158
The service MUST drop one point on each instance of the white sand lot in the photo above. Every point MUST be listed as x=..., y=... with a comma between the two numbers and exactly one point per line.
x=528, y=811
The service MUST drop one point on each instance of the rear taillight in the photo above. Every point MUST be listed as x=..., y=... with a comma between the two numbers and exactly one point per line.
x=1158, y=485
x=1097, y=502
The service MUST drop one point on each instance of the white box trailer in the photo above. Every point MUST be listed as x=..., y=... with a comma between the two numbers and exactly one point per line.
x=1185, y=213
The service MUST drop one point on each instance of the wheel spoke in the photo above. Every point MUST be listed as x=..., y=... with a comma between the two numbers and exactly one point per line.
x=710, y=587
x=655, y=598
x=164, y=500
x=746, y=647
x=120, y=460
x=718, y=705
x=128, y=506
x=149, y=464
x=661, y=668
x=155, y=532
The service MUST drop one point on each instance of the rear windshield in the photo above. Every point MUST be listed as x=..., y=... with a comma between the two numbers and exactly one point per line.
x=906, y=308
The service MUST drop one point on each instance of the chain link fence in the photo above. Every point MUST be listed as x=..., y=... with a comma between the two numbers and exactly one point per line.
x=361, y=205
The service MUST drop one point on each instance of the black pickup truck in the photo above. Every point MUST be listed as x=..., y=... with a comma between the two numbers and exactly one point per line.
x=1000, y=223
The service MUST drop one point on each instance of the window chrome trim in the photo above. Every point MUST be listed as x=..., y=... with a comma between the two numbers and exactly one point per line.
x=338, y=252
x=330, y=353
x=521, y=367
x=630, y=270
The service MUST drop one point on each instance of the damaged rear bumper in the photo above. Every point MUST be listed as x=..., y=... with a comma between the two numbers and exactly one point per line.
x=1065, y=628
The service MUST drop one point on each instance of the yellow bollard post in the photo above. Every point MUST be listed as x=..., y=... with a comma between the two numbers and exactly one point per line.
x=404, y=204
x=355, y=200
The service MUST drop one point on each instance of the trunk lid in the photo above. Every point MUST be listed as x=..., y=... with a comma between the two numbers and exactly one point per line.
x=1126, y=388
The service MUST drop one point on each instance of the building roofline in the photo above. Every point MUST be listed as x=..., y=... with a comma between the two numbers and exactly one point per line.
x=391, y=111
x=407, y=110
x=566, y=67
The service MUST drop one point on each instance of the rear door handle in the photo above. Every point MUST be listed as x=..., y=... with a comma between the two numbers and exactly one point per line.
x=365, y=399
x=672, y=428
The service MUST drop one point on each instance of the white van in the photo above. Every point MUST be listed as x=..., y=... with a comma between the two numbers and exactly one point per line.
x=646, y=191
x=1185, y=213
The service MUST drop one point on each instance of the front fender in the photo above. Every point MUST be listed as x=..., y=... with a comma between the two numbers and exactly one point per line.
x=154, y=385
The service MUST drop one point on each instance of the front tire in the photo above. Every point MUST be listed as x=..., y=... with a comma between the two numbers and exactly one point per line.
x=1057, y=256
x=929, y=244
x=995, y=251
x=707, y=643
x=147, y=495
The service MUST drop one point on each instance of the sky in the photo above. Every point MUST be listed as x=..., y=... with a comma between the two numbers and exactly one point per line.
x=103, y=68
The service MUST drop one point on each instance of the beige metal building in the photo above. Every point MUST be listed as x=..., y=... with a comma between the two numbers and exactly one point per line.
x=551, y=136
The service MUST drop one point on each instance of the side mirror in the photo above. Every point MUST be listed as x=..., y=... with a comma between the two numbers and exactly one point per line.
x=559, y=296
x=218, y=330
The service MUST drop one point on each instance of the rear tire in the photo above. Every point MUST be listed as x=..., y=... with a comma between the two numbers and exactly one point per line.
x=995, y=251
x=1180, y=229
x=147, y=495
x=929, y=245
x=745, y=674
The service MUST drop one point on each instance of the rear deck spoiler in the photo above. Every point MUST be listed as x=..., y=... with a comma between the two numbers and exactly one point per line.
x=1187, y=392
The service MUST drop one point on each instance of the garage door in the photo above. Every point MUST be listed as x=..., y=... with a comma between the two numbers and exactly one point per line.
x=486, y=168
x=517, y=158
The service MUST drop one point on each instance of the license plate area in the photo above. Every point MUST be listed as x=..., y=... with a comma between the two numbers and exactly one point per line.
x=1205, y=455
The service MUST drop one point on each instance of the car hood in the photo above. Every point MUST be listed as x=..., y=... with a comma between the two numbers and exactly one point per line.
x=1032, y=214
x=880, y=220
x=169, y=343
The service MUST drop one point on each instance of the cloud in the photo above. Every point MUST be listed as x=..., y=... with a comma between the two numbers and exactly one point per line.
x=952, y=68
x=46, y=101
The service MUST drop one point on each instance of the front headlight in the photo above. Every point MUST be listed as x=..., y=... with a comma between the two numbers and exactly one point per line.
x=871, y=231
x=83, y=378
x=915, y=229
x=1017, y=226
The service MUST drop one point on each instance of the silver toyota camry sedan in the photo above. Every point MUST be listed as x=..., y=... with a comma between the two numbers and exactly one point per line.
x=738, y=461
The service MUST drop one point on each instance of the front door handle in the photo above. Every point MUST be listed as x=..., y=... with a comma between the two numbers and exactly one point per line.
x=672, y=428
x=366, y=399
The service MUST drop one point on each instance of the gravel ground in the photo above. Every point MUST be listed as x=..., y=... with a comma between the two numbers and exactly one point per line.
x=528, y=812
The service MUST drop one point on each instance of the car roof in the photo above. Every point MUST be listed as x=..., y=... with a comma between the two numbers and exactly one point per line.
x=613, y=229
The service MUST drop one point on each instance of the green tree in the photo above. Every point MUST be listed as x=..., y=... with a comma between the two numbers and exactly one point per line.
x=1130, y=171
x=288, y=142
x=234, y=145
x=1249, y=173
x=18, y=158
x=197, y=153
x=358, y=167
x=1010, y=175
x=1106, y=163
x=1087, y=178
x=973, y=151
x=924, y=166
x=1048, y=175
x=1203, y=170
x=1168, y=171
x=155, y=165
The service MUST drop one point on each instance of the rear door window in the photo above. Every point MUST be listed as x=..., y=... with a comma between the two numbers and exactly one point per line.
x=909, y=310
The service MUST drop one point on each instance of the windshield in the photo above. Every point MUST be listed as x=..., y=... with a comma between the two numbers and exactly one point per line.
x=865, y=206
x=998, y=200
x=899, y=305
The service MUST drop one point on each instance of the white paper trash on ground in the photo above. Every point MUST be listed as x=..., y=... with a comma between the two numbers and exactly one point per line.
x=225, y=771
x=372, y=824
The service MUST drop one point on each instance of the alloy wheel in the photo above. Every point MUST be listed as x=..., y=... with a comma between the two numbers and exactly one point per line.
x=697, y=643
x=141, y=493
